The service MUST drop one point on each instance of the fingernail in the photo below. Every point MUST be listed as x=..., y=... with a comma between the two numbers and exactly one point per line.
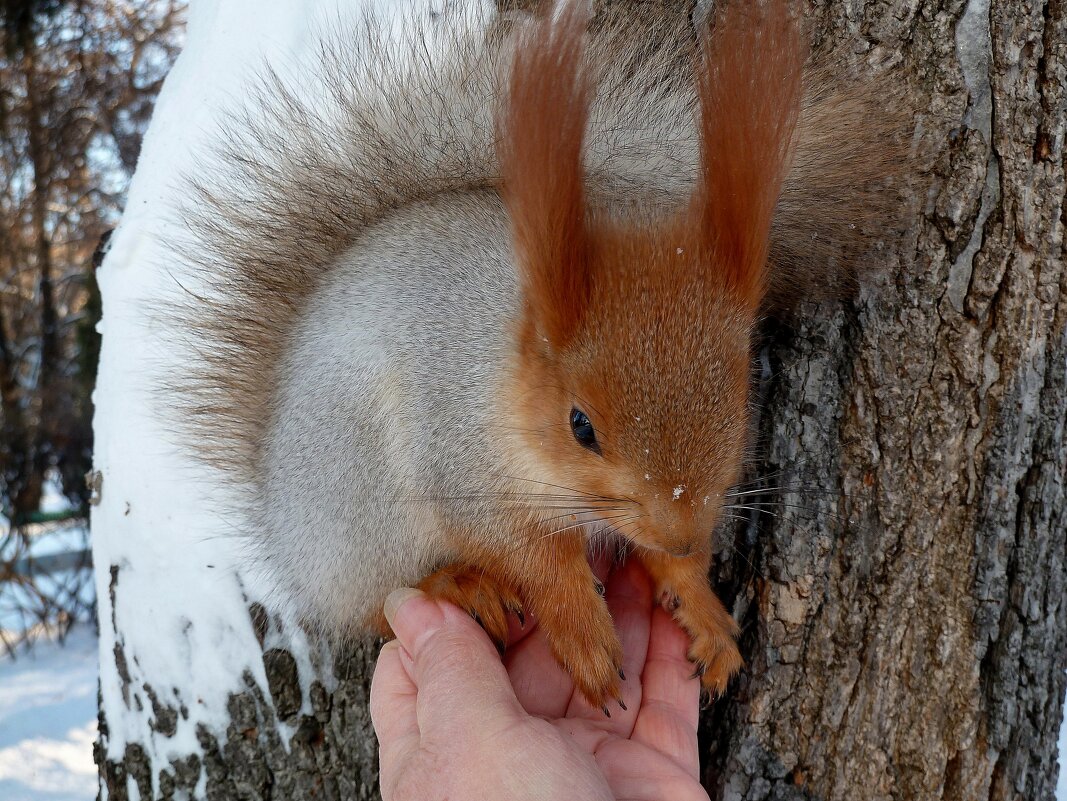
x=398, y=598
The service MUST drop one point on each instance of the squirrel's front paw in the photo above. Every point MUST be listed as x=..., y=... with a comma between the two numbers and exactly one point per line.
x=588, y=649
x=713, y=633
x=717, y=660
x=484, y=597
x=597, y=673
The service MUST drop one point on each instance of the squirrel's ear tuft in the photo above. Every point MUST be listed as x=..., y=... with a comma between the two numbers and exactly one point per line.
x=540, y=135
x=750, y=87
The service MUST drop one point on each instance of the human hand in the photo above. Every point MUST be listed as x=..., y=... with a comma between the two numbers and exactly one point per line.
x=455, y=722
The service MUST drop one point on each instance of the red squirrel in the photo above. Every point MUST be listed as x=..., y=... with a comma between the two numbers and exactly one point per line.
x=498, y=300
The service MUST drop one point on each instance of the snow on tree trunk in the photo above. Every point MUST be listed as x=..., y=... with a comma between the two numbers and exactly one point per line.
x=905, y=627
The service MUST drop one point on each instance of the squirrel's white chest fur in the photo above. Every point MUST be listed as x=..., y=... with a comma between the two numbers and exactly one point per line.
x=391, y=377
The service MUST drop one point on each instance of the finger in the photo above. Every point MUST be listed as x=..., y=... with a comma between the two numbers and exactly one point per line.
x=541, y=685
x=630, y=601
x=629, y=598
x=392, y=712
x=629, y=769
x=462, y=686
x=670, y=707
x=632, y=774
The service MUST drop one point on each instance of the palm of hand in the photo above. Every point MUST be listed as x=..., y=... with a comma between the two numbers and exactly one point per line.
x=456, y=724
x=649, y=749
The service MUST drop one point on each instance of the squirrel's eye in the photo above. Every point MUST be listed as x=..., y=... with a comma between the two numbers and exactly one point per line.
x=583, y=430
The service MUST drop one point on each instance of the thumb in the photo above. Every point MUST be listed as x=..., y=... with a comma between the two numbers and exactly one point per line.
x=461, y=684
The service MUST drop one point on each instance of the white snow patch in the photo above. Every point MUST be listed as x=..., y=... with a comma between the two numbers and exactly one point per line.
x=677, y=491
x=48, y=721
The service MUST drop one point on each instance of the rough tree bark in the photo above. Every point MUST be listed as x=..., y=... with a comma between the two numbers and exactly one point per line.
x=908, y=638
x=904, y=615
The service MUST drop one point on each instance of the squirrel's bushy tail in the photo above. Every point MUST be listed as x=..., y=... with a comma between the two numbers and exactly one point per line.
x=845, y=192
x=293, y=183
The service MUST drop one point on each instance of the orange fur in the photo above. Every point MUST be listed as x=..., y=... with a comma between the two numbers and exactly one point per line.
x=750, y=91
x=540, y=150
x=553, y=580
x=645, y=325
x=485, y=595
x=683, y=584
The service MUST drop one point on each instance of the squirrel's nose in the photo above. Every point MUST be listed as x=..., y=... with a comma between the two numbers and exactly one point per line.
x=675, y=527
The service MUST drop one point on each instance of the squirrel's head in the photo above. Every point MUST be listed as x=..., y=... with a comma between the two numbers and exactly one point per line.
x=635, y=339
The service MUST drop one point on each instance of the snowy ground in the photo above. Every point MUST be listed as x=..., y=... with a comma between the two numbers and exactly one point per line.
x=48, y=721
x=48, y=693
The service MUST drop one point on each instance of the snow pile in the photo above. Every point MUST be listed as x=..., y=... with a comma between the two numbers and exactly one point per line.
x=167, y=570
x=48, y=721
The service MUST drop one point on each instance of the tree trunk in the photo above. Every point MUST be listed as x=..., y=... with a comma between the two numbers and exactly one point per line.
x=904, y=616
x=906, y=632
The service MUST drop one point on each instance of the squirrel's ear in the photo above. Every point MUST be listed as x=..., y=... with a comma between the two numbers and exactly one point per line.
x=750, y=88
x=539, y=141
